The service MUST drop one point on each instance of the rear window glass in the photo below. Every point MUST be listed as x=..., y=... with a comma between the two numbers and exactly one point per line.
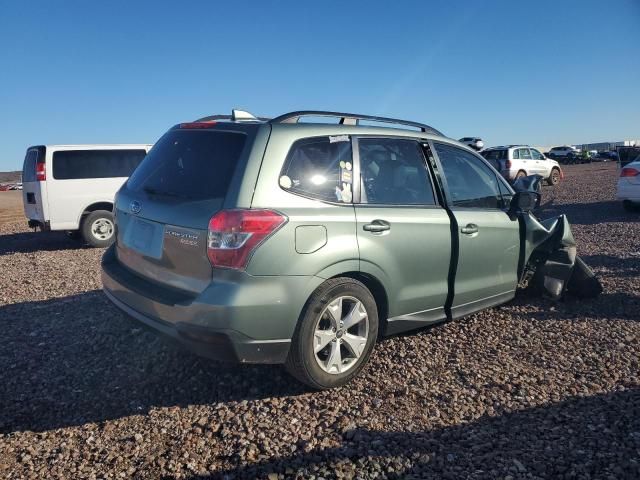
x=191, y=164
x=29, y=167
x=495, y=154
x=320, y=168
x=78, y=164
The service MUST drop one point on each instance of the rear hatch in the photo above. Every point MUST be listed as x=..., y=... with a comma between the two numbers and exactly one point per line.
x=163, y=211
x=34, y=183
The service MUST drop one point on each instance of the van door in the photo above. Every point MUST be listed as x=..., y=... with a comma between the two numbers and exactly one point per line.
x=34, y=185
x=488, y=239
x=403, y=234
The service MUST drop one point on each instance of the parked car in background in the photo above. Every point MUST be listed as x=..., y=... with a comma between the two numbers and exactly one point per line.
x=473, y=142
x=565, y=154
x=608, y=156
x=517, y=161
x=629, y=185
x=72, y=187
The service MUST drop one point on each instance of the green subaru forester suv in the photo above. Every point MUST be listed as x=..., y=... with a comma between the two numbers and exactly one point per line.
x=300, y=242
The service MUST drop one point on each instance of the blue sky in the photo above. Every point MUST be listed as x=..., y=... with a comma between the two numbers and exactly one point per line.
x=541, y=72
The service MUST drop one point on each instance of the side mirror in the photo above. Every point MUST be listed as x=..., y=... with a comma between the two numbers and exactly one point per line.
x=523, y=202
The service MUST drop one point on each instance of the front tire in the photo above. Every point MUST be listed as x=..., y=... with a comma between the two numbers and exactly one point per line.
x=554, y=178
x=335, y=334
x=98, y=229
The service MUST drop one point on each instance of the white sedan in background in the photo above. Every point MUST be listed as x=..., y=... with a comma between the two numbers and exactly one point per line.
x=629, y=186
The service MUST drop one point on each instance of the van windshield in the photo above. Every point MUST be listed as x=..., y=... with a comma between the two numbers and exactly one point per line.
x=190, y=164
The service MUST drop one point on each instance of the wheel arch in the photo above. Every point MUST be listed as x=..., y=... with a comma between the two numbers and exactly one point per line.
x=378, y=291
x=101, y=205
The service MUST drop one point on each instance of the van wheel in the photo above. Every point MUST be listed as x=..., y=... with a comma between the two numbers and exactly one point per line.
x=520, y=174
x=554, y=178
x=98, y=228
x=335, y=335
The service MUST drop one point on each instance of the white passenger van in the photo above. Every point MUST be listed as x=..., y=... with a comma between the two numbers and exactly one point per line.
x=72, y=187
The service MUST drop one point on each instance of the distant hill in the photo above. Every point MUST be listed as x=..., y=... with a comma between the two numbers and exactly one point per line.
x=10, y=177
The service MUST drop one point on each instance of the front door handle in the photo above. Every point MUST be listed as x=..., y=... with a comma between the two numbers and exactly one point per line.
x=376, y=226
x=470, y=229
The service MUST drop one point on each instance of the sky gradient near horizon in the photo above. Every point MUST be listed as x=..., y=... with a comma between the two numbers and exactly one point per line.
x=541, y=73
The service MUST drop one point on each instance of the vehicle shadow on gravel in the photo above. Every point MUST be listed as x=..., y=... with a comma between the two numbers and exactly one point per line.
x=579, y=437
x=607, y=306
x=589, y=213
x=77, y=359
x=29, y=242
x=619, y=267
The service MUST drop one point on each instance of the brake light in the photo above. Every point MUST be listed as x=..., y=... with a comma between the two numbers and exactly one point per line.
x=235, y=234
x=507, y=164
x=629, y=172
x=41, y=171
x=206, y=124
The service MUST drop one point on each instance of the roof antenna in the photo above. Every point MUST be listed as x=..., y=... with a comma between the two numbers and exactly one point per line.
x=242, y=116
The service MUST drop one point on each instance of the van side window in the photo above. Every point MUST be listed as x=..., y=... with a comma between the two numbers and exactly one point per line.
x=77, y=164
x=320, y=167
x=471, y=183
x=394, y=172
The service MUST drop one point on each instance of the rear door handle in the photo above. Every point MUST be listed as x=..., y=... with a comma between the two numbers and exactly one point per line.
x=376, y=226
x=470, y=229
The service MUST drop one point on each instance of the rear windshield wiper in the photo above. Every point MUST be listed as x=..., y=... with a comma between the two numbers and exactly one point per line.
x=153, y=191
x=166, y=193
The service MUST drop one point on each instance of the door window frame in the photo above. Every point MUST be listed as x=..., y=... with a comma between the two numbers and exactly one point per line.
x=445, y=187
x=357, y=185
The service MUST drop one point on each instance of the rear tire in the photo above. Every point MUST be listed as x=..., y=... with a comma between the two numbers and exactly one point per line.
x=554, y=178
x=98, y=229
x=335, y=334
x=520, y=174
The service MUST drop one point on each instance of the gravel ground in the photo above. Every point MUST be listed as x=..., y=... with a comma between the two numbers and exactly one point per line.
x=532, y=389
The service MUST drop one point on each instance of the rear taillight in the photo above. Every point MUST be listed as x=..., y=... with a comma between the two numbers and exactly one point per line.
x=507, y=164
x=629, y=172
x=41, y=171
x=235, y=234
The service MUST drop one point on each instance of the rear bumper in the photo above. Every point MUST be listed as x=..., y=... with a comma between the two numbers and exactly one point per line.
x=628, y=191
x=239, y=318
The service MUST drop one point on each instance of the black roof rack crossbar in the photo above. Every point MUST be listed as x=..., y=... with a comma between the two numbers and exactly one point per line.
x=351, y=119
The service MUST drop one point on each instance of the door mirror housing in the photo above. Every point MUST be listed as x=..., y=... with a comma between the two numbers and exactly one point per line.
x=523, y=202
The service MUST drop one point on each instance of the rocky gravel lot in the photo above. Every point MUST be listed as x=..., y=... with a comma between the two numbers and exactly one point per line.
x=532, y=389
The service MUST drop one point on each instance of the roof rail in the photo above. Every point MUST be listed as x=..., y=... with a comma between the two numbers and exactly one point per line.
x=351, y=119
x=236, y=116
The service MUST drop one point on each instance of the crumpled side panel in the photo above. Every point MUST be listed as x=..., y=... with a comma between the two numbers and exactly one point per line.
x=551, y=258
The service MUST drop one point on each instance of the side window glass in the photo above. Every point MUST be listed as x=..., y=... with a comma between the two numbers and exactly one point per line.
x=516, y=154
x=321, y=168
x=536, y=154
x=472, y=184
x=525, y=154
x=394, y=172
x=505, y=193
